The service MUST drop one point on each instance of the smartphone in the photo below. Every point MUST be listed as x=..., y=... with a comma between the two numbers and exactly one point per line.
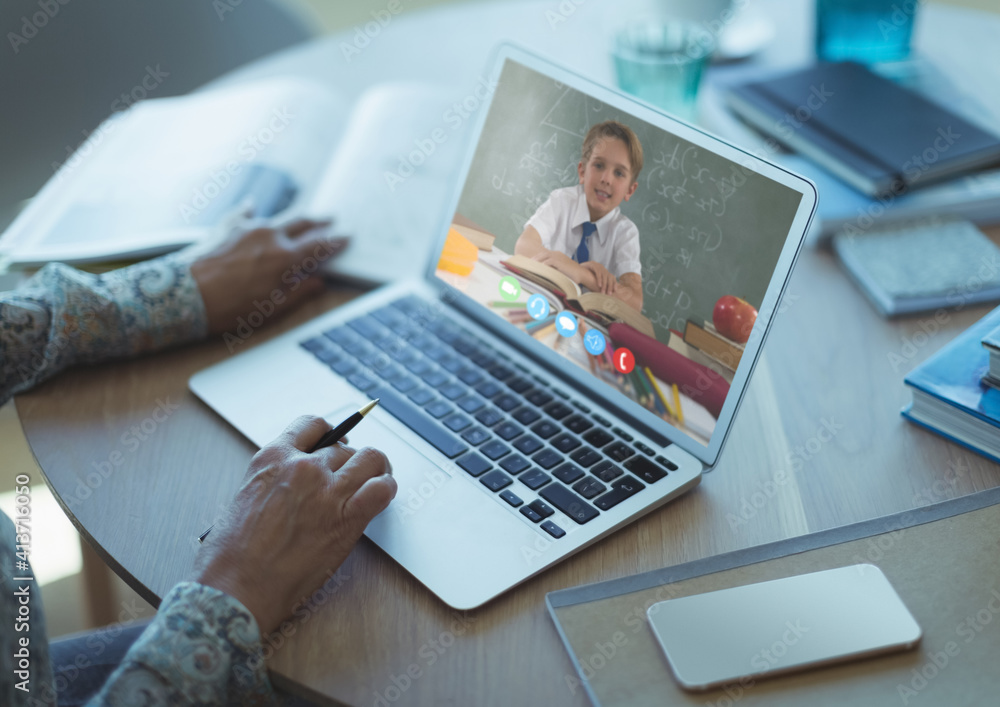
x=743, y=633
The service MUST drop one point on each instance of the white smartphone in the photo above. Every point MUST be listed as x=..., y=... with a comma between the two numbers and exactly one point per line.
x=743, y=633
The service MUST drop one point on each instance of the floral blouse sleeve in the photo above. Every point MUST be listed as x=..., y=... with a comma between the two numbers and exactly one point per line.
x=203, y=648
x=63, y=316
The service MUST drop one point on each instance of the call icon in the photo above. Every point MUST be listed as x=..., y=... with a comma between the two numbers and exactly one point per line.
x=538, y=307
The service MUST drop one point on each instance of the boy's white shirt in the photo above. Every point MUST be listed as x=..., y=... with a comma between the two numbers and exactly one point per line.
x=559, y=222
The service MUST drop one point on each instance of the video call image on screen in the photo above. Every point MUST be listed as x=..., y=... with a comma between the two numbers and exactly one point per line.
x=692, y=235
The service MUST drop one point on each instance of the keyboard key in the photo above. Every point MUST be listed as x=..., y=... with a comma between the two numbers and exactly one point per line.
x=474, y=464
x=453, y=391
x=645, y=469
x=414, y=418
x=420, y=367
x=508, y=430
x=597, y=437
x=515, y=464
x=507, y=402
x=512, y=498
x=620, y=490
x=569, y=503
x=541, y=508
x=578, y=424
x=500, y=372
x=345, y=367
x=531, y=514
x=435, y=379
x=619, y=451
x=558, y=410
x=589, y=487
x=526, y=415
x=581, y=407
x=404, y=384
x=439, y=409
x=475, y=436
x=470, y=376
x=538, y=398
x=495, y=449
x=483, y=358
x=489, y=416
x=452, y=364
x=518, y=384
x=546, y=458
x=622, y=433
x=606, y=471
x=545, y=428
x=528, y=444
x=645, y=449
x=553, y=529
x=585, y=457
x=535, y=479
x=601, y=421
x=496, y=480
x=567, y=472
x=421, y=396
x=471, y=403
x=488, y=389
x=457, y=422
x=667, y=463
x=565, y=443
x=362, y=382
x=315, y=344
x=367, y=326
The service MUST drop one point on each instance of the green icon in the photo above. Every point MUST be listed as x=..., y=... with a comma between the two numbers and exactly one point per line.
x=510, y=288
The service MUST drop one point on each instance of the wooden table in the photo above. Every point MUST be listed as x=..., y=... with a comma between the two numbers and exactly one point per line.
x=818, y=443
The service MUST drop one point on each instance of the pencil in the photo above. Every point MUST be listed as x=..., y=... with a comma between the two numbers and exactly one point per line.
x=677, y=402
x=541, y=333
x=503, y=304
x=659, y=393
x=657, y=404
x=328, y=439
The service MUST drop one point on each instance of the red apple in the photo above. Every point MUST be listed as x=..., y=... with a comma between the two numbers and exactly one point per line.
x=734, y=317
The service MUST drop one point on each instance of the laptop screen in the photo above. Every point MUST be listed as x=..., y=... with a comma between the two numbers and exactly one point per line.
x=637, y=256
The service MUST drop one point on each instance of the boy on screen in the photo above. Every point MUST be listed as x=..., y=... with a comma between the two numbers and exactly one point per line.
x=581, y=231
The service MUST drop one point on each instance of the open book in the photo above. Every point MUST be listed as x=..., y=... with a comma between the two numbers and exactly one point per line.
x=601, y=307
x=168, y=172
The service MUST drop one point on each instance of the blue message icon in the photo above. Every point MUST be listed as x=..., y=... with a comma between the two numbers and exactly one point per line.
x=538, y=307
x=566, y=324
x=594, y=342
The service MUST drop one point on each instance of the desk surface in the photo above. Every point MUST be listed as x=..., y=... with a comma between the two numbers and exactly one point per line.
x=818, y=443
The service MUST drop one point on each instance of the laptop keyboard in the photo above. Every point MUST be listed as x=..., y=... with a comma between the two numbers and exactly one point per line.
x=523, y=439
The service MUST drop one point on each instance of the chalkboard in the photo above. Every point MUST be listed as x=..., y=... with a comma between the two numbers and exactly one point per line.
x=707, y=227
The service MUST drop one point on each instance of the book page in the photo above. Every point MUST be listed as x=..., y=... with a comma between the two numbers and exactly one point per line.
x=170, y=170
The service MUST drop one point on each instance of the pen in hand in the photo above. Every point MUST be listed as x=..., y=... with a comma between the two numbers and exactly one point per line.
x=327, y=440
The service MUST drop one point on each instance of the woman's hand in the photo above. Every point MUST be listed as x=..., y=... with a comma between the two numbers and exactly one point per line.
x=294, y=521
x=263, y=269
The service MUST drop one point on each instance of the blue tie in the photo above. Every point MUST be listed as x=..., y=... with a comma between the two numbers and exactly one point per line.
x=582, y=251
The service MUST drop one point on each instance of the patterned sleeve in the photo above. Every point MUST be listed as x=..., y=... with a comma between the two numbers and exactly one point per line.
x=203, y=648
x=63, y=316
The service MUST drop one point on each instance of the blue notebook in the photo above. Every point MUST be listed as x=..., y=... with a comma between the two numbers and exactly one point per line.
x=922, y=265
x=949, y=396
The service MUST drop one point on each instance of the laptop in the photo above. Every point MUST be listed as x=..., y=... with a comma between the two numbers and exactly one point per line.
x=516, y=443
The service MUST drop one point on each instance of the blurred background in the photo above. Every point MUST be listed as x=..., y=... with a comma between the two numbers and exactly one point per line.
x=50, y=105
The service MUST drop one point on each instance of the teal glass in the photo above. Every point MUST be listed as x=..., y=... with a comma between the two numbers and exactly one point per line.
x=662, y=63
x=866, y=31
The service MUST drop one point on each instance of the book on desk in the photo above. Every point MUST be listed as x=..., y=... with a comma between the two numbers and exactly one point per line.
x=950, y=396
x=877, y=136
